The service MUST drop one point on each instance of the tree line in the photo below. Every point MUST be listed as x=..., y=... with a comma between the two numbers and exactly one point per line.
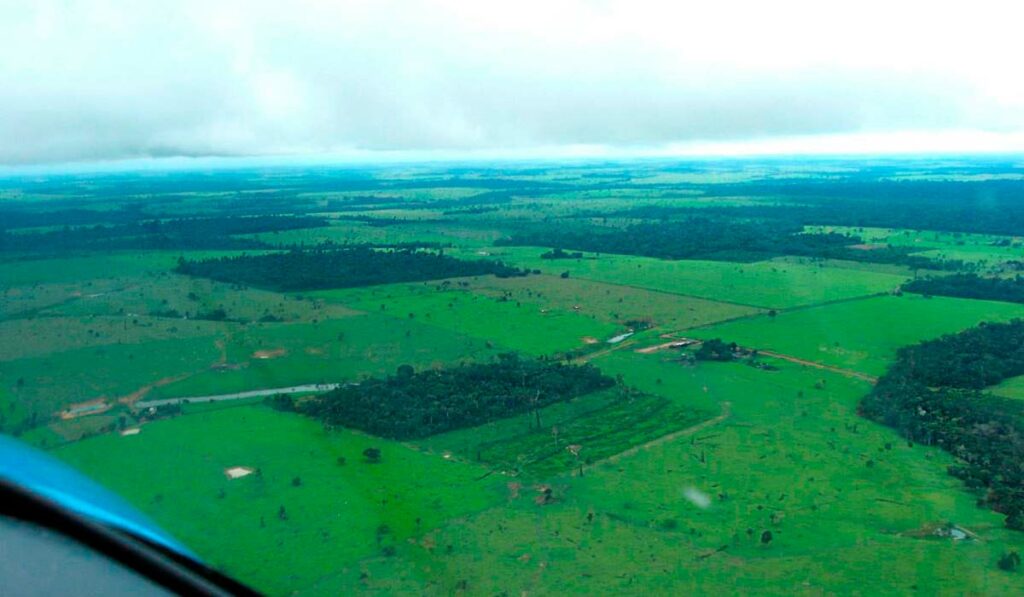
x=181, y=233
x=933, y=394
x=349, y=267
x=971, y=286
x=415, y=404
x=712, y=238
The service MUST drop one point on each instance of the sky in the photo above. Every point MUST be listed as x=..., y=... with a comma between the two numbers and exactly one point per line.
x=87, y=81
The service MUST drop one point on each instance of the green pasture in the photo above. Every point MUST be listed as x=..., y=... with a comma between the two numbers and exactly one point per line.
x=601, y=425
x=522, y=327
x=285, y=354
x=985, y=250
x=610, y=302
x=43, y=385
x=861, y=335
x=174, y=471
x=852, y=508
x=353, y=232
x=763, y=284
x=1012, y=387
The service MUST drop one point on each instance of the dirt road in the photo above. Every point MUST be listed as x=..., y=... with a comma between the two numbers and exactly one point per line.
x=313, y=387
x=806, y=363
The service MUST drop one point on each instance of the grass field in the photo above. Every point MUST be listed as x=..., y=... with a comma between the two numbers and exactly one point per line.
x=1012, y=387
x=610, y=302
x=281, y=355
x=174, y=471
x=689, y=477
x=506, y=324
x=601, y=425
x=348, y=231
x=984, y=250
x=802, y=466
x=860, y=335
x=762, y=284
x=838, y=487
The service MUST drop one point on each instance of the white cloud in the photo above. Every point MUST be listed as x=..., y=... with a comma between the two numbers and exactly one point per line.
x=116, y=79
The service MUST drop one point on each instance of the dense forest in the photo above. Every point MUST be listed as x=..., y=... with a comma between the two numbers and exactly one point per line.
x=713, y=238
x=716, y=349
x=320, y=268
x=933, y=395
x=416, y=404
x=178, y=234
x=873, y=199
x=971, y=286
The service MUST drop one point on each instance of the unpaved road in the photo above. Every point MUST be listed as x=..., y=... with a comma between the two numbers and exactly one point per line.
x=839, y=370
x=313, y=387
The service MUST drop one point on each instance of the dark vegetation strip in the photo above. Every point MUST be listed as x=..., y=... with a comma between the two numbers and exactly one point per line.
x=413, y=405
x=179, y=234
x=320, y=269
x=933, y=395
x=718, y=238
x=971, y=286
x=628, y=418
x=869, y=199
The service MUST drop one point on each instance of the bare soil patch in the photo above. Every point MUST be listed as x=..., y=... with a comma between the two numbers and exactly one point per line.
x=269, y=354
x=237, y=472
x=84, y=409
x=673, y=344
x=142, y=392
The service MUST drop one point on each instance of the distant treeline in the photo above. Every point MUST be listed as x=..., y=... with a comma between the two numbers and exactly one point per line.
x=933, y=395
x=971, y=286
x=178, y=234
x=416, y=404
x=560, y=254
x=713, y=238
x=121, y=199
x=980, y=206
x=319, y=268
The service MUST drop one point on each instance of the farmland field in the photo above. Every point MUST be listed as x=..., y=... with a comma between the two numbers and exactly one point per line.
x=861, y=335
x=763, y=285
x=567, y=422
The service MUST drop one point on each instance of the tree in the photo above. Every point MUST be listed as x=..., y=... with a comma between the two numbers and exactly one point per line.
x=296, y=481
x=1009, y=561
x=715, y=350
x=372, y=455
x=766, y=537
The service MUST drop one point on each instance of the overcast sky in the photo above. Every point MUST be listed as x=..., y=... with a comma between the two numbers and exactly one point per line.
x=102, y=80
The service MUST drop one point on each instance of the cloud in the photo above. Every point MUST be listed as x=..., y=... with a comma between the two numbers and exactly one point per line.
x=127, y=79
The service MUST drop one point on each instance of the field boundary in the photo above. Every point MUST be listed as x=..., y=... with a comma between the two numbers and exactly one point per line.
x=313, y=387
x=725, y=414
x=846, y=372
x=850, y=299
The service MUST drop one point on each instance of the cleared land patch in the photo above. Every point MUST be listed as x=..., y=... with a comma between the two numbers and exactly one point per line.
x=609, y=302
x=276, y=534
x=860, y=335
x=762, y=284
x=569, y=435
x=792, y=458
x=1012, y=387
x=335, y=350
x=521, y=327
